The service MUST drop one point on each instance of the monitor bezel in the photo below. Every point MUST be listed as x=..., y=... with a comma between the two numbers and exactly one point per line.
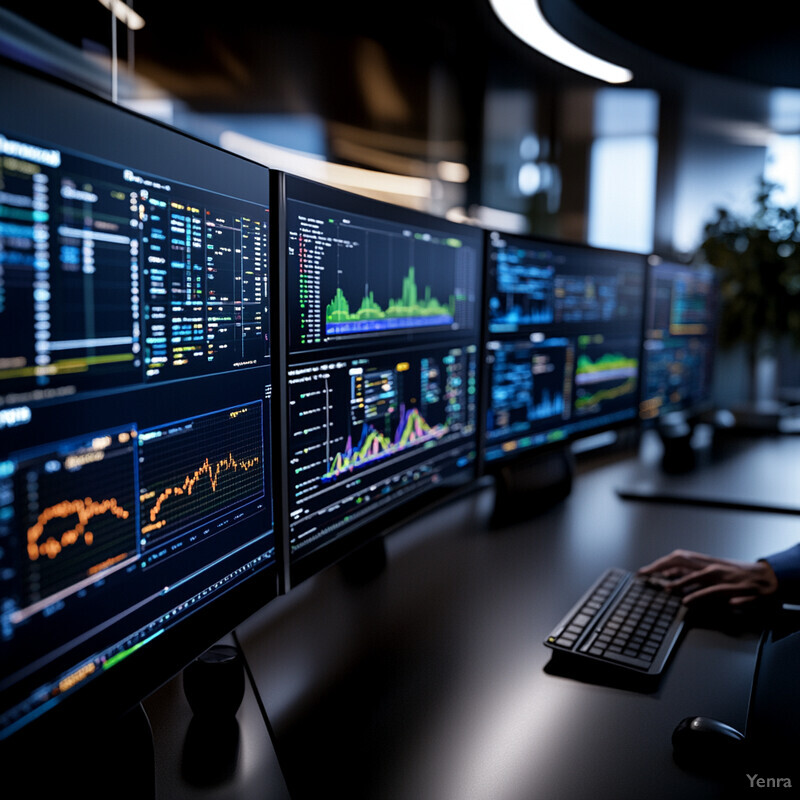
x=368, y=535
x=104, y=702
x=695, y=410
x=521, y=458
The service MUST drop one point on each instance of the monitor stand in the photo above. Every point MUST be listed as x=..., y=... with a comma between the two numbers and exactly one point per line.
x=688, y=441
x=214, y=685
x=532, y=485
x=676, y=434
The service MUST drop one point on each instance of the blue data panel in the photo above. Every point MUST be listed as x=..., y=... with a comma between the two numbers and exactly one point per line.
x=136, y=482
x=564, y=339
x=680, y=339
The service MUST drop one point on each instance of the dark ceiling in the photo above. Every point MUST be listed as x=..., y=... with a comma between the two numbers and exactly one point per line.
x=369, y=65
x=273, y=56
x=758, y=43
x=269, y=55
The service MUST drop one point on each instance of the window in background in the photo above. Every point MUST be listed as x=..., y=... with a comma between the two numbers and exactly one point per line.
x=622, y=174
x=782, y=166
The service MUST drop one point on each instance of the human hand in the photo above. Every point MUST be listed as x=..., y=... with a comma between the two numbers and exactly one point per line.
x=707, y=577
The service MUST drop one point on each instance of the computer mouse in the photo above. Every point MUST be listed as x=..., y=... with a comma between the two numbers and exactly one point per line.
x=706, y=743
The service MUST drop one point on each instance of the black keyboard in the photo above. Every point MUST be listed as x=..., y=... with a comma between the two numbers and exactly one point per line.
x=625, y=622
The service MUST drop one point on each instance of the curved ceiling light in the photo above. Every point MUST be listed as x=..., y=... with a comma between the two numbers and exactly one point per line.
x=124, y=13
x=525, y=20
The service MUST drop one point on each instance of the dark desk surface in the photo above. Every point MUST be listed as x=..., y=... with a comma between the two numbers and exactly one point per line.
x=431, y=680
x=737, y=470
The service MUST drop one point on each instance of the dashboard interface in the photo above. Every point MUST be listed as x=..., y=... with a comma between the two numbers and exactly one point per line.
x=564, y=339
x=679, y=339
x=135, y=389
x=383, y=363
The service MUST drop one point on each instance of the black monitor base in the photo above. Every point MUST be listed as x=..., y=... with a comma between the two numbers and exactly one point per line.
x=530, y=486
x=689, y=441
x=214, y=685
x=679, y=453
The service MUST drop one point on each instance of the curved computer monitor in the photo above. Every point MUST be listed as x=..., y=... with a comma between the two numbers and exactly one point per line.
x=680, y=336
x=564, y=326
x=384, y=316
x=136, y=497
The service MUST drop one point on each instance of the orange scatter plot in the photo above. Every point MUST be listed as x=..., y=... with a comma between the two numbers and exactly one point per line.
x=213, y=473
x=85, y=510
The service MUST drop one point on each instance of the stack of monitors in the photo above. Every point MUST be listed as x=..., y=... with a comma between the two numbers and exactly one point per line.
x=136, y=479
x=383, y=364
x=216, y=380
x=564, y=327
x=679, y=340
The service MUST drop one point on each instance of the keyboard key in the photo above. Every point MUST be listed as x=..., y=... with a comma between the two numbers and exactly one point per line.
x=576, y=629
x=631, y=661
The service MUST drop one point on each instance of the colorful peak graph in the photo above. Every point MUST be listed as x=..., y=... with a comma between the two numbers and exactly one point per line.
x=408, y=310
x=610, y=362
x=612, y=376
x=85, y=510
x=373, y=445
x=584, y=401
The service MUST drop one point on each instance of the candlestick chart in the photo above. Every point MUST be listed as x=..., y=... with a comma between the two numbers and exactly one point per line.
x=196, y=471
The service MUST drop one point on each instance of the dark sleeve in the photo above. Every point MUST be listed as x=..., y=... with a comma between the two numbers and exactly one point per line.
x=786, y=566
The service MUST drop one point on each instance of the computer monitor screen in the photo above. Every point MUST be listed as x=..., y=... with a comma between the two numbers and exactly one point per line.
x=563, y=343
x=383, y=365
x=679, y=339
x=136, y=492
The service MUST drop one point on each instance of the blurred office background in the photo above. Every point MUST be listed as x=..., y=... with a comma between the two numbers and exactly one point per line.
x=436, y=104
